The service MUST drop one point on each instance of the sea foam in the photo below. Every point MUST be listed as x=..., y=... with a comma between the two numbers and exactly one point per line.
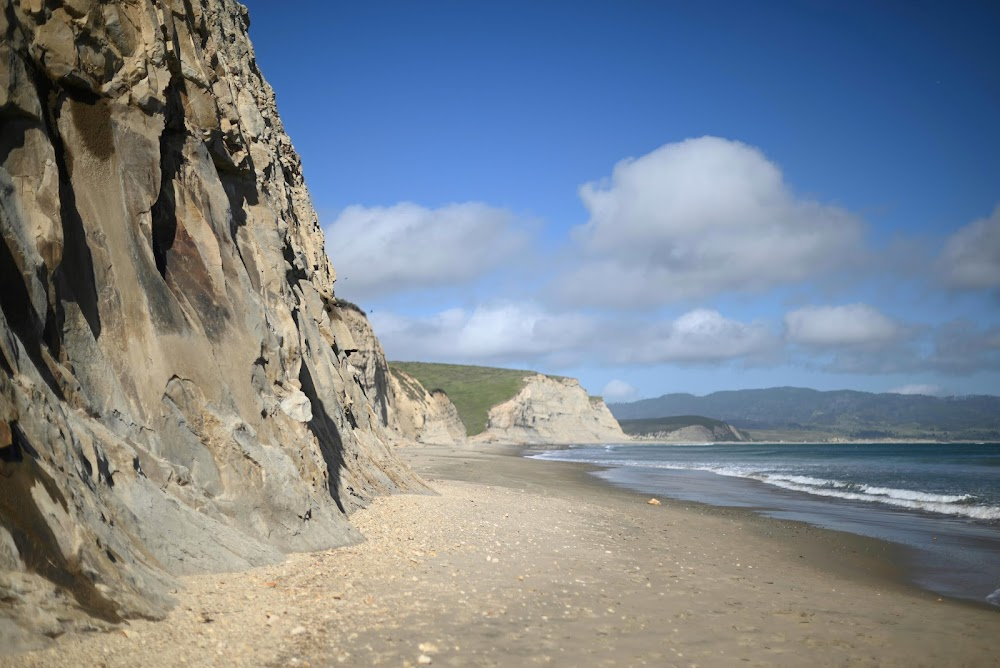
x=961, y=505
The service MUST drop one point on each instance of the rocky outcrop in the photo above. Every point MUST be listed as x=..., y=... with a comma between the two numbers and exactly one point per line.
x=425, y=417
x=696, y=433
x=402, y=405
x=552, y=410
x=177, y=392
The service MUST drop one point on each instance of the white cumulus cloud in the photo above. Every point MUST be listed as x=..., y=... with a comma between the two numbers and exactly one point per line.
x=698, y=336
x=527, y=333
x=697, y=218
x=488, y=334
x=382, y=250
x=971, y=257
x=618, y=390
x=834, y=326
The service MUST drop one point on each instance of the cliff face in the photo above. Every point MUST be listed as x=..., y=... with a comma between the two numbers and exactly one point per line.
x=426, y=417
x=402, y=405
x=724, y=433
x=176, y=392
x=552, y=410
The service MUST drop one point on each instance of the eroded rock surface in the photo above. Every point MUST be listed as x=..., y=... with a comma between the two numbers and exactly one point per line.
x=176, y=387
x=552, y=410
x=696, y=433
x=425, y=416
x=401, y=404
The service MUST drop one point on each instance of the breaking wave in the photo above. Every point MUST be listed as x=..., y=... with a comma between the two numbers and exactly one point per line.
x=960, y=505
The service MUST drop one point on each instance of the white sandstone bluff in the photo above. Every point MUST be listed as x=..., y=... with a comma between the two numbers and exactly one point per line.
x=551, y=410
x=696, y=433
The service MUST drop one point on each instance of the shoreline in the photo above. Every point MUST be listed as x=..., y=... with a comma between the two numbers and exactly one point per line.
x=947, y=550
x=638, y=440
x=872, y=560
x=526, y=562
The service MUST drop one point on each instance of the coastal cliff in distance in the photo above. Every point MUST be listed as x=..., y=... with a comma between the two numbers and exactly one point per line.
x=683, y=429
x=552, y=410
x=498, y=405
x=177, y=387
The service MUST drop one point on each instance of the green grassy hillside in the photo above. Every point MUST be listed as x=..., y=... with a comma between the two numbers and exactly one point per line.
x=473, y=389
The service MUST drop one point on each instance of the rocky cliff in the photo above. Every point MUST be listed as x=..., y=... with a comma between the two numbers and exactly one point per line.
x=176, y=387
x=696, y=433
x=426, y=417
x=683, y=429
x=552, y=410
x=402, y=405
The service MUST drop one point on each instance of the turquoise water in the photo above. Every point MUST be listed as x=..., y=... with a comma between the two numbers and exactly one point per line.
x=942, y=501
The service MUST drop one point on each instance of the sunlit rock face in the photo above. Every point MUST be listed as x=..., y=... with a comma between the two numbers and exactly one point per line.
x=402, y=405
x=174, y=397
x=552, y=410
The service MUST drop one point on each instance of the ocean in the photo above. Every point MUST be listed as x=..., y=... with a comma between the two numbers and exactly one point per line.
x=939, y=500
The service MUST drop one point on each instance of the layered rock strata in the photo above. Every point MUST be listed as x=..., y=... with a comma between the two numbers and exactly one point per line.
x=176, y=388
x=551, y=410
x=425, y=416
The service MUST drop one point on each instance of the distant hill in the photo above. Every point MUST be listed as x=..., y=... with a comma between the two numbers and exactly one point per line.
x=792, y=413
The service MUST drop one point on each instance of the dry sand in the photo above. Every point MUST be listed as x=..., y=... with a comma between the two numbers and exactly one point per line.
x=518, y=562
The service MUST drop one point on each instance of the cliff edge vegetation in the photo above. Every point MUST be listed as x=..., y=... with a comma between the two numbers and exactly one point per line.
x=474, y=390
x=518, y=406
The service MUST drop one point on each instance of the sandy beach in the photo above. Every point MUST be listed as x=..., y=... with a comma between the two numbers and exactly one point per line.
x=522, y=562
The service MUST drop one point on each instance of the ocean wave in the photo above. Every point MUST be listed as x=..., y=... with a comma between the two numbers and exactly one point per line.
x=935, y=503
x=910, y=495
x=808, y=481
x=961, y=505
x=948, y=504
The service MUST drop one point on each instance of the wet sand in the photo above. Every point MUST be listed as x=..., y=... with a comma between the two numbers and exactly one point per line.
x=525, y=562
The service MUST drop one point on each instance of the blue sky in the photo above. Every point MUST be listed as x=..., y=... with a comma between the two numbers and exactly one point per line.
x=659, y=196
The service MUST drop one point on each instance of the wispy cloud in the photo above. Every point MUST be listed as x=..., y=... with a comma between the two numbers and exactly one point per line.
x=502, y=332
x=963, y=347
x=850, y=339
x=386, y=250
x=698, y=336
x=698, y=218
x=837, y=326
x=971, y=257
x=527, y=332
